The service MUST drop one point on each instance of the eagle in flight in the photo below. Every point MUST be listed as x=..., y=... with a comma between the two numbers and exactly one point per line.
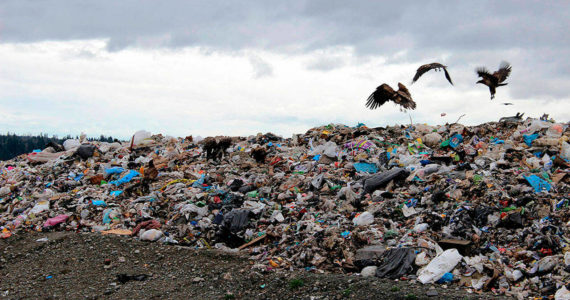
x=385, y=93
x=496, y=79
x=433, y=66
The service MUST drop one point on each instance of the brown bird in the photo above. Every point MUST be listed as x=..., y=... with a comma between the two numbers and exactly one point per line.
x=259, y=154
x=151, y=172
x=385, y=93
x=433, y=66
x=496, y=79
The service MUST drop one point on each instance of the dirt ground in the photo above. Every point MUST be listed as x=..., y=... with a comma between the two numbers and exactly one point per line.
x=93, y=266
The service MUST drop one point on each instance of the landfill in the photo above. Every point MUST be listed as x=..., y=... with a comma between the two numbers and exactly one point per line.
x=484, y=208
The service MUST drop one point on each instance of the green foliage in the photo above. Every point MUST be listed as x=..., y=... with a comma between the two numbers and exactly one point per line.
x=12, y=145
x=296, y=283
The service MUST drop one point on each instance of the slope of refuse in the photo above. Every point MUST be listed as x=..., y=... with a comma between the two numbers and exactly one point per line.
x=479, y=207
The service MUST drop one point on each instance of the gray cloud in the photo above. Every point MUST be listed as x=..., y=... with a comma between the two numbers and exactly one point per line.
x=326, y=63
x=261, y=68
x=531, y=34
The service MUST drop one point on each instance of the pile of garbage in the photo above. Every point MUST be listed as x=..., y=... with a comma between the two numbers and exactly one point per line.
x=482, y=207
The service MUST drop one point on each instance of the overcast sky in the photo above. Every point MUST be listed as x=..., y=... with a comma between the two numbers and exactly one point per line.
x=238, y=68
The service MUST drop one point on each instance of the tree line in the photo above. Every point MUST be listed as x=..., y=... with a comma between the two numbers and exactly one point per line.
x=12, y=145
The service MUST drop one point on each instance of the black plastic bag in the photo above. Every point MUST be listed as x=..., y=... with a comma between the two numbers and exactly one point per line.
x=397, y=262
x=236, y=220
x=373, y=183
x=85, y=151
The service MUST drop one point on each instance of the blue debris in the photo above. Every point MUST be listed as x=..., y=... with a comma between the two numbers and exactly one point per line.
x=447, y=277
x=455, y=140
x=98, y=203
x=366, y=167
x=115, y=193
x=114, y=170
x=539, y=184
x=127, y=178
x=528, y=138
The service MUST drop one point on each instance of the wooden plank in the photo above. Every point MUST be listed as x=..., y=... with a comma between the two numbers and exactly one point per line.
x=255, y=240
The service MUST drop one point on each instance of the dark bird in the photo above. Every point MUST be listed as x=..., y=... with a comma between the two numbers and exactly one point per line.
x=496, y=79
x=259, y=154
x=151, y=172
x=433, y=66
x=385, y=93
x=506, y=103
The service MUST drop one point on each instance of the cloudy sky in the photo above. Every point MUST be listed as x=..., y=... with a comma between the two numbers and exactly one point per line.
x=238, y=68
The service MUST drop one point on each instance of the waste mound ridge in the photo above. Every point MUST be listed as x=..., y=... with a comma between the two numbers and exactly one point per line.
x=480, y=207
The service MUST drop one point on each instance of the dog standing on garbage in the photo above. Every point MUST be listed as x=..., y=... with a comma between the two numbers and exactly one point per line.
x=215, y=147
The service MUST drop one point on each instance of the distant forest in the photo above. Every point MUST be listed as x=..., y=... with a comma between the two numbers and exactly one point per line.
x=12, y=145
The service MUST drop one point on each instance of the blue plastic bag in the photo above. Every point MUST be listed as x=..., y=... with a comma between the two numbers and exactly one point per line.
x=98, y=203
x=114, y=170
x=447, y=277
x=115, y=193
x=539, y=184
x=528, y=138
x=127, y=178
x=366, y=167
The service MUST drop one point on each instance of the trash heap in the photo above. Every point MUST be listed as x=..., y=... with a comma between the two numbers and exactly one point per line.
x=482, y=207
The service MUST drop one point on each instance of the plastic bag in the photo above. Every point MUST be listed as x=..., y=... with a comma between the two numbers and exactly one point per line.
x=141, y=137
x=397, y=262
x=565, y=151
x=441, y=264
x=71, y=144
x=364, y=218
x=539, y=184
x=535, y=126
x=127, y=178
x=562, y=294
x=373, y=183
x=236, y=220
x=555, y=131
x=432, y=139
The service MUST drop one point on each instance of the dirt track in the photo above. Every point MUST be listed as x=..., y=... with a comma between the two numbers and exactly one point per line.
x=85, y=266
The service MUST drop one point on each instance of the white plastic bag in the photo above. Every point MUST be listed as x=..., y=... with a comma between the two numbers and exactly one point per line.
x=39, y=207
x=364, y=218
x=140, y=136
x=555, y=130
x=562, y=294
x=151, y=235
x=71, y=144
x=441, y=264
x=565, y=151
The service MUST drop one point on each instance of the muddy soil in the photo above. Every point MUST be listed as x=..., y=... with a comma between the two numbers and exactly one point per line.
x=93, y=266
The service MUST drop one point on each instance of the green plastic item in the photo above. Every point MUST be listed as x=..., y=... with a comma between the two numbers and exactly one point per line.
x=477, y=178
x=506, y=209
x=390, y=234
x=444, y=144
x=253, y=194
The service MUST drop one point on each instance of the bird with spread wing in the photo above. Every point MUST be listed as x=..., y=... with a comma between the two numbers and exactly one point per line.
x=433, y=66
x=385, y=93
x=496, y=79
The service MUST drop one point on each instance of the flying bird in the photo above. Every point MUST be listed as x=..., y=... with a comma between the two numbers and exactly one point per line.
x=496, y=79
x=385, y=93
x=433, y=66
x=507, y=103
